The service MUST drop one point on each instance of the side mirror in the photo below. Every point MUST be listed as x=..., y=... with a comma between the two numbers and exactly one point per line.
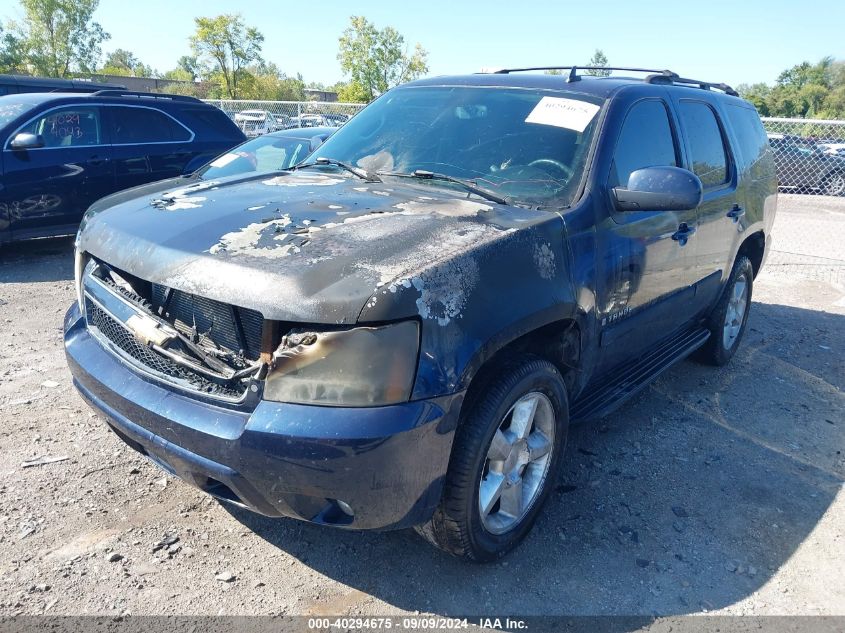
x=318, y=140
x=659, y=189
x=25, y=140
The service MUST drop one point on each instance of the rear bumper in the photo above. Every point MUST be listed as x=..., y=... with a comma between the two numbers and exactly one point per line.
x=386, y=463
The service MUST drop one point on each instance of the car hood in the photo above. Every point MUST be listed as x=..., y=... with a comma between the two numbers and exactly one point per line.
x=306, y=246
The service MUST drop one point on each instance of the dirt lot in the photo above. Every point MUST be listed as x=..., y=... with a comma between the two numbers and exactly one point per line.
x=717, y=490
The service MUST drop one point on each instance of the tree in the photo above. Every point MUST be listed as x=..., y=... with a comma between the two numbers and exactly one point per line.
x=266, y=82
x=11, y=53
x=376, y=60
x=178, y=74
x=58, y=37
x=191, y=65
x=806, y=90
x=196, y=89
x=123, y=62
x=758, y=94
x=230, y=46
x=598, y=59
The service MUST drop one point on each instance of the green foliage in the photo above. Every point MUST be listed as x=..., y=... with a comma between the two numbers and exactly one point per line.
x=229, y=46
x=12, y=58
x=266, y=82
x=190, y=65
x=58, y=37
x=598, y=59
x=178, y=74
x=815, y=91
x=124, y=63
x=376, y=60
x=199, y=89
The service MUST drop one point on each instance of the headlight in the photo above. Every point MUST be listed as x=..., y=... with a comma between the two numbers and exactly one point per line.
x=360, y=367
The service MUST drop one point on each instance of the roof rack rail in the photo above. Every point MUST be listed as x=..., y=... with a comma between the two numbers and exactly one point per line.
x=573, y=70
x=661, y=76
x=704, y=85
x=141, y=95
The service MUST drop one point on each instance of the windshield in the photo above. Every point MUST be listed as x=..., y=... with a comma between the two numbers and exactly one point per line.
x=262, y=154
x=11, y=110
x=529, y=146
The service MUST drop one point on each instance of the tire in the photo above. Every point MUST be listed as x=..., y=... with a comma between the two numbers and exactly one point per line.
x=533, y=389
x=834, y=184
x=730, y=316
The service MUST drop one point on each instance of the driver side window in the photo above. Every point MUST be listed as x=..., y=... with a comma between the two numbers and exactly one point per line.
x=646, y=140
x=68, y=127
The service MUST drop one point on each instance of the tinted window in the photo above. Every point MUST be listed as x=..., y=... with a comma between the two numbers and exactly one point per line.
x=213, y=120
x=749, y=132
x=645, y=141
x=709, y=158
x=144, y=125
x=68, y=127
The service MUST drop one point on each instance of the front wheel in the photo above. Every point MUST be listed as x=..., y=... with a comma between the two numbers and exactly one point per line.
x=504, y=461
x=730, y=316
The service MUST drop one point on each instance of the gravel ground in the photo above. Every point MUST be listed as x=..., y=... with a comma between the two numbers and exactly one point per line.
x=716, y=490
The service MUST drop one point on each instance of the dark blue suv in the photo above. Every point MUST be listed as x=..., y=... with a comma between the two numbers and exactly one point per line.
x=399, y=331
x=63, y=151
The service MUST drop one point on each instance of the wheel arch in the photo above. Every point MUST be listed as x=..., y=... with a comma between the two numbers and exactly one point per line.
x=559, y=341
x=754, y=248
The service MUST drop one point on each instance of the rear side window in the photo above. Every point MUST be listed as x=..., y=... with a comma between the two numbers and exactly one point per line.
x=709, y=157
x=214, y=121
x=145, y=125
x=645, y=141
x=749, y=132
x=68, y=127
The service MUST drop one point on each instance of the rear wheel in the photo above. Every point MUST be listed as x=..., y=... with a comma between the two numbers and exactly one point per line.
x=834, y=185
x=506, y=453
x=730, y=316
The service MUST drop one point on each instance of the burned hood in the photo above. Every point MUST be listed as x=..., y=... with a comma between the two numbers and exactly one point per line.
x=307, y=246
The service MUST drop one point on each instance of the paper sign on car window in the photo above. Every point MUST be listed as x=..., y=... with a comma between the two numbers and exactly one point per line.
x=568, y=113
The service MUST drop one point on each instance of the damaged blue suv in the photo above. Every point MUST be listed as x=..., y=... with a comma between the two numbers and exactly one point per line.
x=399, y=331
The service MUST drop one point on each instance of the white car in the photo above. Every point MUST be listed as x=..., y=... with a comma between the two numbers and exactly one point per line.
x=837, y=149
x=257, y=122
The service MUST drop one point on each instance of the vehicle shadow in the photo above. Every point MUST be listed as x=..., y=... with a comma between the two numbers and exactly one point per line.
x=688, y=499
x=48, y=259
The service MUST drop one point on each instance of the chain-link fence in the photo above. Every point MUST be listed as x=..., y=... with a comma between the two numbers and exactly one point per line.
x=260, y=117
x=810, y=159
x=809, y=155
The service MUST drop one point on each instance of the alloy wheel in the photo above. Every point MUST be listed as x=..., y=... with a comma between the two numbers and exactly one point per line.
x=735, y=312
x=517, y=463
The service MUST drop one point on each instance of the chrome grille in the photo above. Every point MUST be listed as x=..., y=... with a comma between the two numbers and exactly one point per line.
x=122, y=338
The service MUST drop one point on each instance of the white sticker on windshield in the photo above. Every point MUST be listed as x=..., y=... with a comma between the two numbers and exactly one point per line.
x=223, y=160
x=568, y=113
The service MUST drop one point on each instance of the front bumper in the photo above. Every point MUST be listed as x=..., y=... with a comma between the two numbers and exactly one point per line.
x=386, y=463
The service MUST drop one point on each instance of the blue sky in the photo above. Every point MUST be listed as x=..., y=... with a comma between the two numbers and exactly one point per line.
x=715, y=40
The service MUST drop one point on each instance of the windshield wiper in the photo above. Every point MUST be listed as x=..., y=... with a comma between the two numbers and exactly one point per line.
x=466, y=184
x=363, y=174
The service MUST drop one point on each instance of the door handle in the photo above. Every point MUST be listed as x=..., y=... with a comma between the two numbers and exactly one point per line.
x=736, y=213
x=683, y=233
x=97, y=161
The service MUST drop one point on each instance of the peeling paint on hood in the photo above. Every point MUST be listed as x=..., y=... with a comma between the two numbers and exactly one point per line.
x=294, y=255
